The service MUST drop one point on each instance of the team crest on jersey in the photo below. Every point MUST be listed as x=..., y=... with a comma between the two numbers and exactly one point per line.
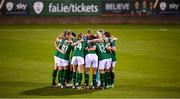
x=38, y=7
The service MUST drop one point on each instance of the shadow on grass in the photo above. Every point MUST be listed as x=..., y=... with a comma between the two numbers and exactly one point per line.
x=46, y=91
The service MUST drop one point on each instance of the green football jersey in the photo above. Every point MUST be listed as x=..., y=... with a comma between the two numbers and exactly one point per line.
x=71, y=54
x=90, y=46
x=66, y=48
x=57, y=53
x=113, y=54
x=72, y=50
x=107, y=43
x=79, y=49
x=101, y=51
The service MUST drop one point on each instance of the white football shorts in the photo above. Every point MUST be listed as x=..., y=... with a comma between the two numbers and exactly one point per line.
x=77, y=60
x=63, y=62
x=91, y=60
x=56, y=60
x=105, y=64
x=114, y=64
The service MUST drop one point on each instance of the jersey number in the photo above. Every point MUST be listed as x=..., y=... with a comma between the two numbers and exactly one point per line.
x=102, y=48
x=79, y=46
x=64, y=48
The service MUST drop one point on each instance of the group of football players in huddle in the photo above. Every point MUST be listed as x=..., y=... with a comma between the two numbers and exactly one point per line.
x=82, y=56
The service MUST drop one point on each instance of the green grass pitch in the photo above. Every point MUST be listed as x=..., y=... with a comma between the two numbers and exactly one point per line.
x=148, y=61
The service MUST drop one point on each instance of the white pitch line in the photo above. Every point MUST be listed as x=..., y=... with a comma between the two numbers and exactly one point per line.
x=46, y=30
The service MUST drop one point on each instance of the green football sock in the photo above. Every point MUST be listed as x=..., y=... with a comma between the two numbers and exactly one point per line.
x=64, y=77
x=94, y=80
x=109, y=78
x=106, y=78
x=54, y=74
x=59, y=80
x=79, y=78
x=74, y=78
x=86, y=79
x=71, y=74
x=112, y=77
x=77, y=81
x=102, y=80
x=67, y=79
x=61, y=76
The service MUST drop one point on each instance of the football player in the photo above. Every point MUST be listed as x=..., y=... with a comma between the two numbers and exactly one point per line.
x=64, y=57
x=70, y=73
x=57, y=45
x=113, y=54
x=78, y=59
x=103, y=57
x=91, y=59
x=107, y=68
